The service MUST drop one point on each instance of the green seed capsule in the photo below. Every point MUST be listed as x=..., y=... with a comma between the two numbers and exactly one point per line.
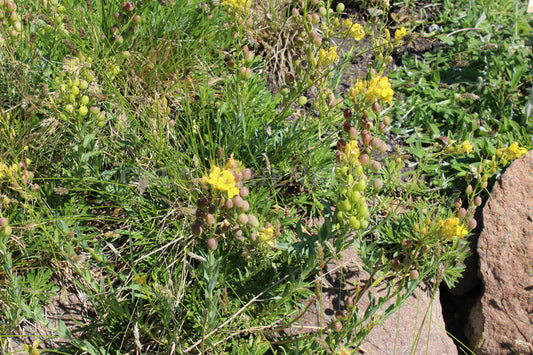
x=345, y=205
x=354, y=222
x=83, y=84
x=349, y=179
x=355, y=197
x=83, y=110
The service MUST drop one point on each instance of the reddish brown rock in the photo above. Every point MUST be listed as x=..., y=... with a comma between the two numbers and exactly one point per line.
x=502, y=321
x=416, y=328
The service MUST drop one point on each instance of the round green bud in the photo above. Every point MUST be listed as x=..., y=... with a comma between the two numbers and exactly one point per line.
x=83, y=84
x=360, y=185
x=345, y=205
x=84, y=100
x=13, y=17
x=17, y=26
x=69, y=108
x=340, y=7
x=355, y=196
x=83, y=110
x=7, y=230
x=302, y=100
x=354, y=222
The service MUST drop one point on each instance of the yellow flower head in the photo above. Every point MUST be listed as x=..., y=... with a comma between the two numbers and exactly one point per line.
x=266, y=235
x=221, y=180
x=357, y=89
x=514, y=151
x=351, y=151
x=238, y=5
x=464, y=148
x=353, y=30
x=379, y=89
x=399, y=34
x=233, y=165
x=326, y=58
x=451, y=227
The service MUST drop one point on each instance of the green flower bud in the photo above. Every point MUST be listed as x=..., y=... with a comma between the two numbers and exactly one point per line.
x=83, y=110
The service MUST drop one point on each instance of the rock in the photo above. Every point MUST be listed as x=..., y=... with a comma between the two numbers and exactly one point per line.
x=72, y=309
x=502, y=320
x=416, y=328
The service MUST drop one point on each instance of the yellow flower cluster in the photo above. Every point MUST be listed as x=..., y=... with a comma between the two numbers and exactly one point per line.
x=351, y=152
x=464, y=148
x=238, y=5
x=377, y=89
x=326, y=58
x=514, y=151
x=451, y=227
x=221, y=180
x=266, y=235
x=353, y=30
x=8, y=171
x=399, y=34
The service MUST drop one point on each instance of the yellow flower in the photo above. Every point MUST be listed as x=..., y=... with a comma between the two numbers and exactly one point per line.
x=514, y=151
x=451, y=227
x=266, y=235
x=221, y=180
x=4, y=170
x=465, y=147
x=351, y=151
x=140, y=279
x=344, y=351
x=379, y=89
x=399, y=34
x=233, y=165
x=357, y=89
x=353, y=30
x=243, y=5
x=326, y=58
